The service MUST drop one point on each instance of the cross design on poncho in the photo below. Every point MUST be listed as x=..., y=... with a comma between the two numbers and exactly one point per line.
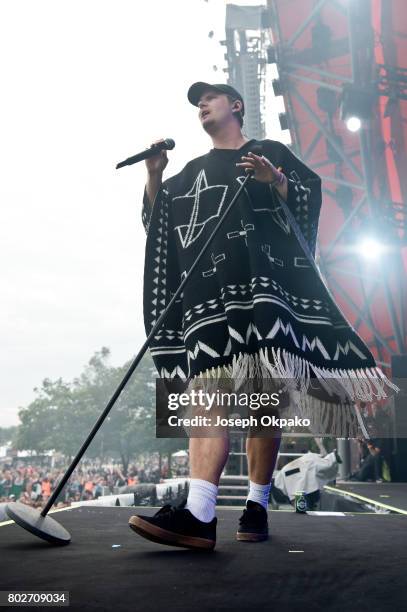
x=242, y=232
x=206, y=200
x=273, y=260
x=215, y=259
x=301, y=262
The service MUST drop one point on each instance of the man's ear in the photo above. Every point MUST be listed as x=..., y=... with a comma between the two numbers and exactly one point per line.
x=237, y=106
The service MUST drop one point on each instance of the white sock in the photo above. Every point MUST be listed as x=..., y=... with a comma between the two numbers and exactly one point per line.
x=259, y=493
x=201, y=500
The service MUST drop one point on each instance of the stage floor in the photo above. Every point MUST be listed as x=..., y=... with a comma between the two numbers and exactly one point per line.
x=392, y=494
x=351, y=562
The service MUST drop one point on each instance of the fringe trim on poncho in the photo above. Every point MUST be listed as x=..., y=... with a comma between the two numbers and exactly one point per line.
x=339, y=416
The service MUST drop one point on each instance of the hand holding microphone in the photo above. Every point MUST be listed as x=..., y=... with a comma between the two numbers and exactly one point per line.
x=157, y=163
x=155, y=150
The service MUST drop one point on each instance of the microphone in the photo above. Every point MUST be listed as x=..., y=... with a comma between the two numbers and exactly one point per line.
x=167, y=144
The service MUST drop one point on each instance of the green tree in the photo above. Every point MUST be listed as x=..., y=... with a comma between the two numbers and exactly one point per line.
x=7, y=434
x=63, y=413
x=41, y=425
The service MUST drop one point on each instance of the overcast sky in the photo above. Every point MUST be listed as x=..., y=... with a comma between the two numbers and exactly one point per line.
x=85, y=84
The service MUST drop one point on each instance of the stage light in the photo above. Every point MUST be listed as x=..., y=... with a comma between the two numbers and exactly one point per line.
x=266, y=19
x=326, y=100
x=277, y=87
x=321, y=36
x=271, y=55
x=356, y=106
x=283, y=121
x=370, y=248
x=344, y=198
x=353, y=124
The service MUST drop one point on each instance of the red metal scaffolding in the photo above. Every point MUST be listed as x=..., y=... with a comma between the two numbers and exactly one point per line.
x=325, y=49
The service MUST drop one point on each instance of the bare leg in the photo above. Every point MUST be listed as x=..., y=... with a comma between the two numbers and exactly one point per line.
x=261, y=458
x=207, y=457
x=208, y=454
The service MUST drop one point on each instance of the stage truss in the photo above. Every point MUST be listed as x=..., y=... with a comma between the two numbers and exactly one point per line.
x=324, y=49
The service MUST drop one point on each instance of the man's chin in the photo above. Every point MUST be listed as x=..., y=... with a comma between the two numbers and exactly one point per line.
x=209, y=126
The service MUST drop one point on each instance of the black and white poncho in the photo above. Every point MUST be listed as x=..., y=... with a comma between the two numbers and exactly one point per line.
x=256, y=304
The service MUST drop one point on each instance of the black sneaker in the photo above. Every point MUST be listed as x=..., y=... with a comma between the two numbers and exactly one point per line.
x=253, y=525
x=176, y=526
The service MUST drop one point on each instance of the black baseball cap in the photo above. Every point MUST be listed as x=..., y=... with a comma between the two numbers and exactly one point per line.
x=196, y=90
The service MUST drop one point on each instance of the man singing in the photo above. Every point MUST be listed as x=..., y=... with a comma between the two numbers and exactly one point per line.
x=255, y=307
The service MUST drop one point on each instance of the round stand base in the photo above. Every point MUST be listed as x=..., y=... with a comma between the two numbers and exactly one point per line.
x=44, y=527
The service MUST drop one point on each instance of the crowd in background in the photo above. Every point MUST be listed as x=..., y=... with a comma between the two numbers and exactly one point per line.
x=33, y=484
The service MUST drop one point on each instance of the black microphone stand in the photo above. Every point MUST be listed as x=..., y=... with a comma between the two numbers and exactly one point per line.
x=39, y=523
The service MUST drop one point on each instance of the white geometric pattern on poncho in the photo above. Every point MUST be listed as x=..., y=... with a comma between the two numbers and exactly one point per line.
x=243, y=289
x=304, y=344
x=159, y=301
x=204, y=201
x=241, y=232
x=301, y=212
